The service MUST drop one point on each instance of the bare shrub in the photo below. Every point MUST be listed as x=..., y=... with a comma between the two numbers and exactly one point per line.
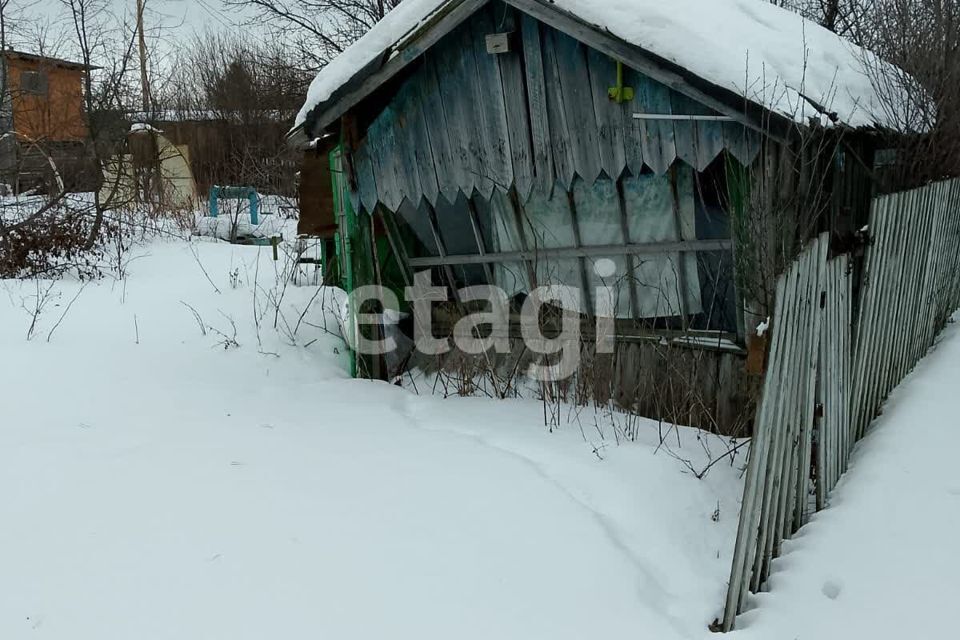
x=51, y=244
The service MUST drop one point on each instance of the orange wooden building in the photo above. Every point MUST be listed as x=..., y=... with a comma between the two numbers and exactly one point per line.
x=43, y=123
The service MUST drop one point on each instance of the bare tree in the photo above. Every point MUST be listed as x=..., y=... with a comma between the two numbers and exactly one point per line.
x=916, y=74
x=55, y=231
x=843, y=17
x=921, y=38
x=98, y=39
x=232, y=103
x=318, y=30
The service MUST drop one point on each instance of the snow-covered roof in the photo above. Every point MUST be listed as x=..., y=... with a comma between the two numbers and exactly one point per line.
x=769, y=55
x=387, y=33
x=765, y=53
x=143, y=127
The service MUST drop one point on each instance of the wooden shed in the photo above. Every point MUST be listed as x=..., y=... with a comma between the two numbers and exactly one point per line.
x=625, y=144
x=43, y=123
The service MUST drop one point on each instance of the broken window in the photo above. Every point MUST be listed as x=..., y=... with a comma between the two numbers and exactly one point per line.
x=660, y=242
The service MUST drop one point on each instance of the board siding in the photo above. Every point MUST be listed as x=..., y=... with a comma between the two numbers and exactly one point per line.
x=531, y=118
x=518, y=117
x=545, y=172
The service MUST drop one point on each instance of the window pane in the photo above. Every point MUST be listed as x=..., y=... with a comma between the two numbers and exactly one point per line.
x=598, y=213
x=549, y=225
x=456, y=230
x=416, y=223
x=658, y=286
x=712, y=218
x=649, y=204
x=548, y=221
x=498, y=223
x=652, y=217
x=470, y=275
x=598, y=275
x=511, y=277
x=719, y=296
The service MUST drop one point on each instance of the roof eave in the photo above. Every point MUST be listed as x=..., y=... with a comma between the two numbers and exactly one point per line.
x=56, y=62
x=387, y=64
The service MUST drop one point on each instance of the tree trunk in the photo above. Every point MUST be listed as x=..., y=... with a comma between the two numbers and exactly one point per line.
x=831, y=13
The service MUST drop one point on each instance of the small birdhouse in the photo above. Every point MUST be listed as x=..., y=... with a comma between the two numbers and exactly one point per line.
x=498, y=43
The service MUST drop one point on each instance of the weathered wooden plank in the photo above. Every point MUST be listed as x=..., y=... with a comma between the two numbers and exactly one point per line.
x=560, y=130
x=685, y=132
x=518, y=115
x=825, y=396
x=916, y=253
x=469, y=93
x=936, y=276
x=882, y=276
x=927, y=233
x=800, y=490
x=374, y=145
x=795, y=417
x=737, y=142
x=494, y=136
x=611, y=123
x=405, y=113
x=868, y=324
x=832, y=336
x=953, y=296
x=848, y=355
x=385, y=156
x=658, y=154
x=448, y=165
x=419, y=130
x=798, y=419
x=891, y=308
x=782, y=424
x=578, y=103
x=885, y=293
x=729, y=386
x=931, y=308
x=745, y=545
x=781, y=427
x=938, y=309
x=833, y=341
x=710, y=143
x=457, y=82
x=654, y=249
x=366, y=181
x=536, y=78
x=865, y=323
x=899, y=309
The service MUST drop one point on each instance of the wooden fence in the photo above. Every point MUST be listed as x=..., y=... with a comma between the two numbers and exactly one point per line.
x=833, y=361
x=911, y=287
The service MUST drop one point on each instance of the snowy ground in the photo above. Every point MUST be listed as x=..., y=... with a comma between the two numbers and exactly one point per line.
x=164, y=477
x=159, y=481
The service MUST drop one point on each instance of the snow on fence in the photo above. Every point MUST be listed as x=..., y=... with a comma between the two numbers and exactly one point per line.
x=828, y=376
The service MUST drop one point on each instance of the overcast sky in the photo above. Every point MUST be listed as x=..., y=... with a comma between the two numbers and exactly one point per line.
x=178, y=18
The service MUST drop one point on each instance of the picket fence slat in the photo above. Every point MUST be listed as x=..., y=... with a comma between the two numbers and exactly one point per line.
x=830, y=369
x=749, y=509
